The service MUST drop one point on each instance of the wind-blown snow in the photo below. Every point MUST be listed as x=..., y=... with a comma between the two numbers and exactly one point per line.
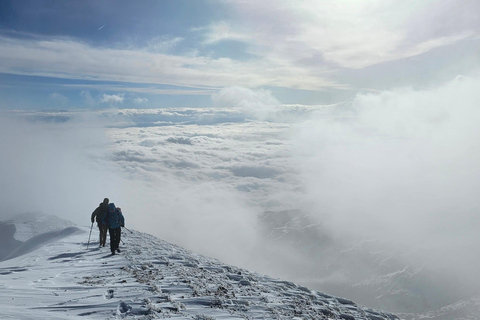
x=150, y=279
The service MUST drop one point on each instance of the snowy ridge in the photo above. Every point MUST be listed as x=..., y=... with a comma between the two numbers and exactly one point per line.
x=41, y=240
x=32, y=224
x=152, y=279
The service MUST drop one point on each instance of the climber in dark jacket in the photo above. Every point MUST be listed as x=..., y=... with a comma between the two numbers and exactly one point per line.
x=98, y=215
x=114, y=219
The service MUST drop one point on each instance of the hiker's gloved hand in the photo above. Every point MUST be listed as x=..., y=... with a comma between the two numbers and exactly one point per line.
x=93, y=220
x=123, y=226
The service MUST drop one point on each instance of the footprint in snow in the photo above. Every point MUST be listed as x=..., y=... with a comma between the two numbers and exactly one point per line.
x=123, y=308
x=109, y=294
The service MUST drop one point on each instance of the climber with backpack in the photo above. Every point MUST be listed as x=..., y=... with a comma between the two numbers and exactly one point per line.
x=98, y=215
x=114, y=220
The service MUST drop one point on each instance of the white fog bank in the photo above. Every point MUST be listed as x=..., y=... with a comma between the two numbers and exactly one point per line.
x=398, y=168
x=402, y=167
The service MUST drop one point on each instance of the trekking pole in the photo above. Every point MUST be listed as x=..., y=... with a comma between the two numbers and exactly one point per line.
x=127, y=229
x=89, y=236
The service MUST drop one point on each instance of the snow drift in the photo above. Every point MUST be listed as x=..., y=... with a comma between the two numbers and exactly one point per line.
x=41, y=240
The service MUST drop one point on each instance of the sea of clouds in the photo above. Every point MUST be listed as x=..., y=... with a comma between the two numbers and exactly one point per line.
x=400, y=167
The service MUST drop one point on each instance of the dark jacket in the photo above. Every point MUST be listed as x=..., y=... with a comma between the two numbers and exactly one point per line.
x=100, y=212
x=114, y=217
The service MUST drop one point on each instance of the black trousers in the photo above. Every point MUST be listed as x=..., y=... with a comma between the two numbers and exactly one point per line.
x=114, y=238
x=103, y=233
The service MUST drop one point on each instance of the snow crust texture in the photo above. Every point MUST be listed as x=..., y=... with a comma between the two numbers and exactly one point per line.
x=152, y=279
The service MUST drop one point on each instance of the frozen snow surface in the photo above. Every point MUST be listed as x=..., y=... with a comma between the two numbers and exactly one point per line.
x=54, y=276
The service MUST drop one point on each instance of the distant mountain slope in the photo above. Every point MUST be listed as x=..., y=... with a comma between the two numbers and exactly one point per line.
x=8, y=243
x=32, y=224
x=467, y=309
x=151, y=279
x=41, y=240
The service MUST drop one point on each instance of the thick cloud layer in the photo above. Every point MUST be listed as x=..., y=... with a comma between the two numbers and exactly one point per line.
x=398, y=168
x=203, y=186
x=52, y=164
x=402, y=168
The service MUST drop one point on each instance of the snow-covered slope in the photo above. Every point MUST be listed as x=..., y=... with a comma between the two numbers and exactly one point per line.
x=30, y=224
x=150, y=279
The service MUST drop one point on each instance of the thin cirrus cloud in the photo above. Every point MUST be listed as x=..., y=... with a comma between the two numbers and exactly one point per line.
x=60, y=98
x=163, y=44
x=147, y=89
x=222, y=30
x=52, y=58
x=140, y=100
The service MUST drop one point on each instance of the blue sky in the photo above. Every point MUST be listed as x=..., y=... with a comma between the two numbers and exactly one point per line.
x=97, y=54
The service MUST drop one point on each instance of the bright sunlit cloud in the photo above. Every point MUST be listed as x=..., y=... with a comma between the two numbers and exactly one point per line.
x=112, y=99
x=351, y=34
